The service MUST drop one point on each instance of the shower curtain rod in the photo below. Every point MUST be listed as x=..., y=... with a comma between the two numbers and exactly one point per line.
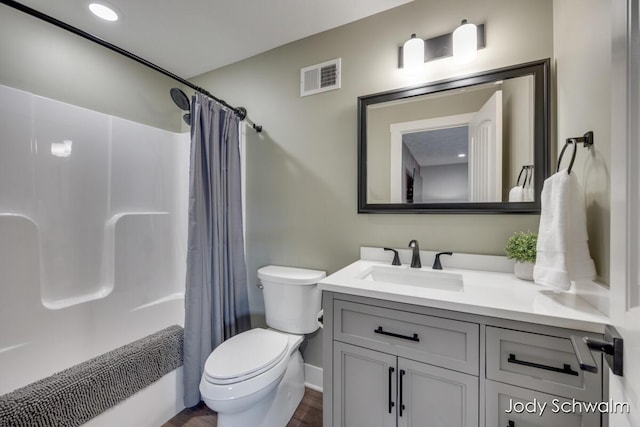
x=241, y=112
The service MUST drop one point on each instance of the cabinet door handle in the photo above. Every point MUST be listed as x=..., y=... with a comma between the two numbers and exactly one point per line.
x=401, y=403
x=391, y=334
x=391, y=404
x=566, y=369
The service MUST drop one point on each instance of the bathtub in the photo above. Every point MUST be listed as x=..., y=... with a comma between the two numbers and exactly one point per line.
x=93, y=220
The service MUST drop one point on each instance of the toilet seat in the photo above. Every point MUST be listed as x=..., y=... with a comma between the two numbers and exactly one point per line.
x=245, y=356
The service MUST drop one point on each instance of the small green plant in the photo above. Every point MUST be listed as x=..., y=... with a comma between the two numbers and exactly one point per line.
x=522, y=246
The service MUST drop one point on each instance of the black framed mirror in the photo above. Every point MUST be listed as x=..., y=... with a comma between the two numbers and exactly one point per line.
x=471, y=144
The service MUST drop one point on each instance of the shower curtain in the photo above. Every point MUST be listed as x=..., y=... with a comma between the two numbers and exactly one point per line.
x=216, y=300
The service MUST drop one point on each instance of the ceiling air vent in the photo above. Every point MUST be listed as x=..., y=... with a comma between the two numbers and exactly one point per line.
x=320, y=77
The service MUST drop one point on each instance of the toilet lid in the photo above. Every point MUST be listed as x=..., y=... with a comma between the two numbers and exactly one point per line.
x=246, y=355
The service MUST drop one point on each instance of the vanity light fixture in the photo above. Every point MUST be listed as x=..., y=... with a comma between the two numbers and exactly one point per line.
x=465, y=43
x=413, y=52
x=462, y=44
x=103, y=11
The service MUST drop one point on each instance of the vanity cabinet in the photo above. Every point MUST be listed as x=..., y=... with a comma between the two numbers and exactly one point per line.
x=372, y=388
x=397, y=368
x=392, y=364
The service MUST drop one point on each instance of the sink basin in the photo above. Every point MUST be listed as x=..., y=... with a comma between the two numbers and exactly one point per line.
x=414, y=277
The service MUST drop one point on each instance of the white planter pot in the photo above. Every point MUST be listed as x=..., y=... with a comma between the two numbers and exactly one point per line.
x=523, y=270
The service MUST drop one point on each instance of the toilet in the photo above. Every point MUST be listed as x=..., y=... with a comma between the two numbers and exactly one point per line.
x=256, y=378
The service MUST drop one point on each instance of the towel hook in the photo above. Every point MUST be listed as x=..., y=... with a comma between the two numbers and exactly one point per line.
x=529, y=177
x=520, y=175
x=528, y=170
x=586, y=140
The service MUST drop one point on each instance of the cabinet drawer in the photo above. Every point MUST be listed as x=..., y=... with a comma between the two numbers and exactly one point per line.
x=517, y=407
x=539, y=362
x=442, y=342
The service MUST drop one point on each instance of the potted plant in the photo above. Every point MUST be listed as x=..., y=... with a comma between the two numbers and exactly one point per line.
x=521, y=247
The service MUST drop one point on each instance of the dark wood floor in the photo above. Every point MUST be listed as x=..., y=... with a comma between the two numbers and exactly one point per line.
x=308, y=414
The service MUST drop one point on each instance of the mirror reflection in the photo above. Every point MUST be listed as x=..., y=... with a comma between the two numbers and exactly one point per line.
x=473, y=144
x=434, y=166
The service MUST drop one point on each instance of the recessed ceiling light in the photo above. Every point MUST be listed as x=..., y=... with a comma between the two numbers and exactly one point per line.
x=104, y=12
x=61, y=149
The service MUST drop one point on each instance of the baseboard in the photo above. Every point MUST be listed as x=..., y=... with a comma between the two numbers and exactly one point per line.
x=313, y=377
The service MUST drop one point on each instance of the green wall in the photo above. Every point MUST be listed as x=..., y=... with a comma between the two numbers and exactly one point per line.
x=301, y=172
x=583, y=79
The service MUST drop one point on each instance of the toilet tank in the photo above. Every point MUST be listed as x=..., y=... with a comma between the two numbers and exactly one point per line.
x=292, y=299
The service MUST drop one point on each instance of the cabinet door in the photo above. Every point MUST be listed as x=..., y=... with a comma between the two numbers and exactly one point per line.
x=364, y=387
x=434, y=397
x=510, y=406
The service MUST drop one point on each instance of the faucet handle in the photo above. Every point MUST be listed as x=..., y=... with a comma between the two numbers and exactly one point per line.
x=436, y=263
x=396, y=257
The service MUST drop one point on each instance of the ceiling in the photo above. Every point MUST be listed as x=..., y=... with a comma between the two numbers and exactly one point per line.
x=438, y=146
x=191, y=37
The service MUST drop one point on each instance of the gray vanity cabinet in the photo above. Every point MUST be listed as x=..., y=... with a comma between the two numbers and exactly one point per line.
x=378, y=389
x=395, y=368
x=393, y=364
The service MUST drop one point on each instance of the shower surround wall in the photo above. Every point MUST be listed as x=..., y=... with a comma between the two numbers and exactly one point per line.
x=93, y=240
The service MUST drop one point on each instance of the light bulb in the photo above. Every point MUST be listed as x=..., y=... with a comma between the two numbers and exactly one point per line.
x=413, y=52
x=465, y=43
x=104, y=12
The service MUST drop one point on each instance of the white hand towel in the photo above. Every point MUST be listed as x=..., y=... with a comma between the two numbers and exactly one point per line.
x=562, y=250
x=528, y=194
x=516, y=194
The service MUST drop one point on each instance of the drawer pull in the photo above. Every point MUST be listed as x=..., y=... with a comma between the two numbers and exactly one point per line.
x=566, y=369
x=391, y=404
x=391, y=334
x=401, y=403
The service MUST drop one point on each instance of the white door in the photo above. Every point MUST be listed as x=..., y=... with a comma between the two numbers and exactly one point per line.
x=485, y=152
x=625, y=207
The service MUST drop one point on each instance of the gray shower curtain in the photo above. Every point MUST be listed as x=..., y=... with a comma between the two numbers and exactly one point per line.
x=216, y=301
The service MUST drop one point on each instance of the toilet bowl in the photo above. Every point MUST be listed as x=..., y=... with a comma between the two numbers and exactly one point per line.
x=256, y=378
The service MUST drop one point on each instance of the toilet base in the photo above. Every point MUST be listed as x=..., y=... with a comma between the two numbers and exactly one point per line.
x=277, y=408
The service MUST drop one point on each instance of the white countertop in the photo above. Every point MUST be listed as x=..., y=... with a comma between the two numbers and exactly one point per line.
x=486, y=293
